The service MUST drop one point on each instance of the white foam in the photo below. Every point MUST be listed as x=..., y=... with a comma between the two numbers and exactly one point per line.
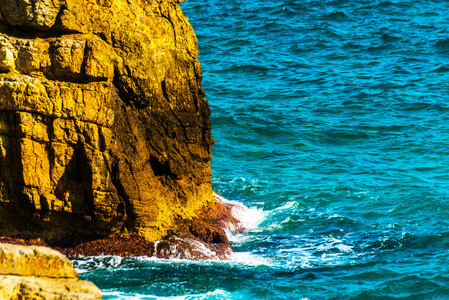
x=195, y=249
x=239, y=258
x=249, y=218
x=317, y=253
x=98, y=262
x=237, y=238
x=249, y=259
x=200, y=247
x=217, y=294
x=287, y=205
x=156, y=260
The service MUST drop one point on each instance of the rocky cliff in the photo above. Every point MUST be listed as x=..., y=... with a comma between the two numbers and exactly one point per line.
x=104, y=128
x=40, y=273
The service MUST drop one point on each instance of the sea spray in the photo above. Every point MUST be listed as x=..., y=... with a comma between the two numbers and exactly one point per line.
x=213, y=295
x=249, y=218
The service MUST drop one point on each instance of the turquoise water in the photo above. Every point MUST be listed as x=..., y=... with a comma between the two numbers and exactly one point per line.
x=331, y=121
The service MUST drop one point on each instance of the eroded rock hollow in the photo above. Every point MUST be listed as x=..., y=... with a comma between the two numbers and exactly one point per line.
x=104, y=128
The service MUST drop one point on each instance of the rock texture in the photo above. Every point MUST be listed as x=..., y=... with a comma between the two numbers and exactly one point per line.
x=30, y=272
x=200, y=238
x=104, y=128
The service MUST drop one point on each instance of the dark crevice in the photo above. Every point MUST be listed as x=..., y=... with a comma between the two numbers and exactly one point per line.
x=103, y=36
x=164, y=90
x=183, y=127
x=83, y=64
x=126, y=94
x=85, y=169
x=121, y=192
x=27, y=32
x=33, y=10
x=56, y=28
x=59, y=15
x=1, y=15
x=161, y=169
x=196, y=96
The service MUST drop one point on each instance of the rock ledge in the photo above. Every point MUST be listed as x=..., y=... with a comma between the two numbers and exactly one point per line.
x=31, y=272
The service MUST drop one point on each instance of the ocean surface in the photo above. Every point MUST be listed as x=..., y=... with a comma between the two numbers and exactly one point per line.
x=331, y=121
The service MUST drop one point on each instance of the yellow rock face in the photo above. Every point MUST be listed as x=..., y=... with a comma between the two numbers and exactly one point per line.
x=34, y=261
x=26, y=288
x=103, y=123
x=40, y=273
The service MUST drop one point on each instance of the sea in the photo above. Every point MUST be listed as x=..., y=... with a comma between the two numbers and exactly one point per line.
x=331, y=121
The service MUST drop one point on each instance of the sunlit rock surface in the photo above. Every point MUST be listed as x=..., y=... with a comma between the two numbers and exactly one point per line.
x=31, y=272
x=104, y=128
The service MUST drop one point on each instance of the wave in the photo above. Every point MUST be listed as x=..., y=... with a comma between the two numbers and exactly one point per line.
x=392, y=5
x=305, y=253
x=441, y=69
x=387, y=38
x=249, y=69
x=392, y=243
x=408, y=286
x=249, y=218
x=86, y=264
x=217, y=294
x=442, y=44
x=336, y=16
x=408, y=241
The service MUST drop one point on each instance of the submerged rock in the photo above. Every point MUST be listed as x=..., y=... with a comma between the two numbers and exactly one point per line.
x=104, y=129
x=31, y=272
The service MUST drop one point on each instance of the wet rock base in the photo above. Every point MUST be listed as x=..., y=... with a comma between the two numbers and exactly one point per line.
x=201, y=238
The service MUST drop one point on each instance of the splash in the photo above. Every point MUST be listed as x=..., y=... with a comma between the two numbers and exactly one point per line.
x=86, y=264
x=249, y=218
x=217, y=294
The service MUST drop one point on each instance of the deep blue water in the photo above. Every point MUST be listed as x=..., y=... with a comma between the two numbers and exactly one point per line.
x=331, y=121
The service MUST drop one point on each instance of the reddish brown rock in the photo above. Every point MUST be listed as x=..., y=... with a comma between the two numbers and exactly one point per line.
x=202, y=238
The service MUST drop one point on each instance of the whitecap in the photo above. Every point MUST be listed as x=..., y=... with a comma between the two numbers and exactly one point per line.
x=249, y=217
x=86, y=264
x=235, y=258
x=217, y=294
x=287, y=205
x=317, y=253
x=237, y=238
x=249, y=259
